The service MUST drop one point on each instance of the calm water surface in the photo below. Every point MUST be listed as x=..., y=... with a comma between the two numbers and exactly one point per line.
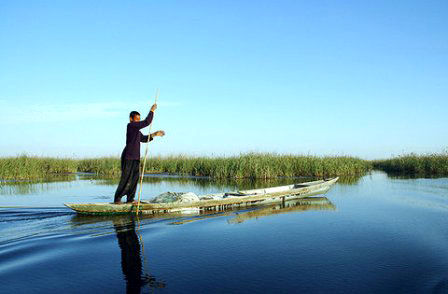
x=374, y=235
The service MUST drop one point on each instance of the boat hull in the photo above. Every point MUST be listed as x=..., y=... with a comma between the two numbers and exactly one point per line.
x=254, y=197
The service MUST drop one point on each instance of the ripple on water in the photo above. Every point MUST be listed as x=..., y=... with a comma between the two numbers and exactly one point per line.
x=378, y=235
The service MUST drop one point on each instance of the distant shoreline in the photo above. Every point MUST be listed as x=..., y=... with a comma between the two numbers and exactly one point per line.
x=244, y=166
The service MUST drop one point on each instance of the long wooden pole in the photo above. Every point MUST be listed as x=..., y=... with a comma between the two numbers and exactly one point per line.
x=144, y=160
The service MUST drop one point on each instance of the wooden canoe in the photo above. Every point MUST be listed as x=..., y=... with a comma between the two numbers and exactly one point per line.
x=213, y=202
x=235, y=216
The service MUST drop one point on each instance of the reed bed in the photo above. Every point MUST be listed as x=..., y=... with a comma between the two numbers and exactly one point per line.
x=244, y=166
x=413, y=164
x=260, y=166
x=107, y=166
x=25, y=167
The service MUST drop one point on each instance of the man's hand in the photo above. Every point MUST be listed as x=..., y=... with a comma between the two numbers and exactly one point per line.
x=153, y=107
x=158, y=133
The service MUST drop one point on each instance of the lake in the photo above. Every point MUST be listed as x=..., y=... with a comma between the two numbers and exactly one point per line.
x=375, y=234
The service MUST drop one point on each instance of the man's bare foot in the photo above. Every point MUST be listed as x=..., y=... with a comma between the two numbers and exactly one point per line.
x=118, y=202
x=133, y=202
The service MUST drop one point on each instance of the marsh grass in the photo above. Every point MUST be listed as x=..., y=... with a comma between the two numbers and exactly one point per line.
x=26, y=167
x=260, y=166
x=244, y=166
x=107, y=166
x=413, y=164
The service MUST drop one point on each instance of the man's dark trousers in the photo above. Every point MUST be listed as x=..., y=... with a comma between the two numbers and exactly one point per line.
x=130, y=173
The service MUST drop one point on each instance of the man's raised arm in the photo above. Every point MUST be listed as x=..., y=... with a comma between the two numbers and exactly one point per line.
x=144, y=123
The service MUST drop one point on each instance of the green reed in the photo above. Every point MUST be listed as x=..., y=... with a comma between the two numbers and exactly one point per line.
x=25, y=167
x=244, y=166
x=413, y=164
x=260, y=166
x=108, y=166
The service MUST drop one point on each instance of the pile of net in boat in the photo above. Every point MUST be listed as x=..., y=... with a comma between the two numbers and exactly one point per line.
x=189, y=197
x=176, y=197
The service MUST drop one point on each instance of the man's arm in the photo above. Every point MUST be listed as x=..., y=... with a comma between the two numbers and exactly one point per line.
x=144, y=123
x=144, y=138
x=147, y=121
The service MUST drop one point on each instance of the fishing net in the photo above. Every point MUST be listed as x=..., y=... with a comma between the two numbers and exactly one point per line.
x=175, y=197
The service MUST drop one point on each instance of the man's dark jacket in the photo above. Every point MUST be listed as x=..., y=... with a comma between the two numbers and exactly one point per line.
x=134, y=137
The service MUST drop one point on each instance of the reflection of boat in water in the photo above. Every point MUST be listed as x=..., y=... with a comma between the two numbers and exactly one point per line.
x=305, y=204
x=87, y=219
x=214, y=202
x=131, y=247
x=298, y=205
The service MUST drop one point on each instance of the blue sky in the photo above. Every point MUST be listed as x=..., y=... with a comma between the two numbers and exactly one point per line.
x=363, y=78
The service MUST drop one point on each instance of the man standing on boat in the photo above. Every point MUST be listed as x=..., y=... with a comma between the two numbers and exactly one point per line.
x=130, y=157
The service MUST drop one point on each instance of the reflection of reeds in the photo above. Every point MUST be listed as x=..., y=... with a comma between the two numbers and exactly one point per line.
x=414, y=164
x=349, y=180
x=196, y=184
x=31, y=187
x=204, y=182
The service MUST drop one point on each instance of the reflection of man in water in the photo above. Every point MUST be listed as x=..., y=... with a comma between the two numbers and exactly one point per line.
x=131, y=262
